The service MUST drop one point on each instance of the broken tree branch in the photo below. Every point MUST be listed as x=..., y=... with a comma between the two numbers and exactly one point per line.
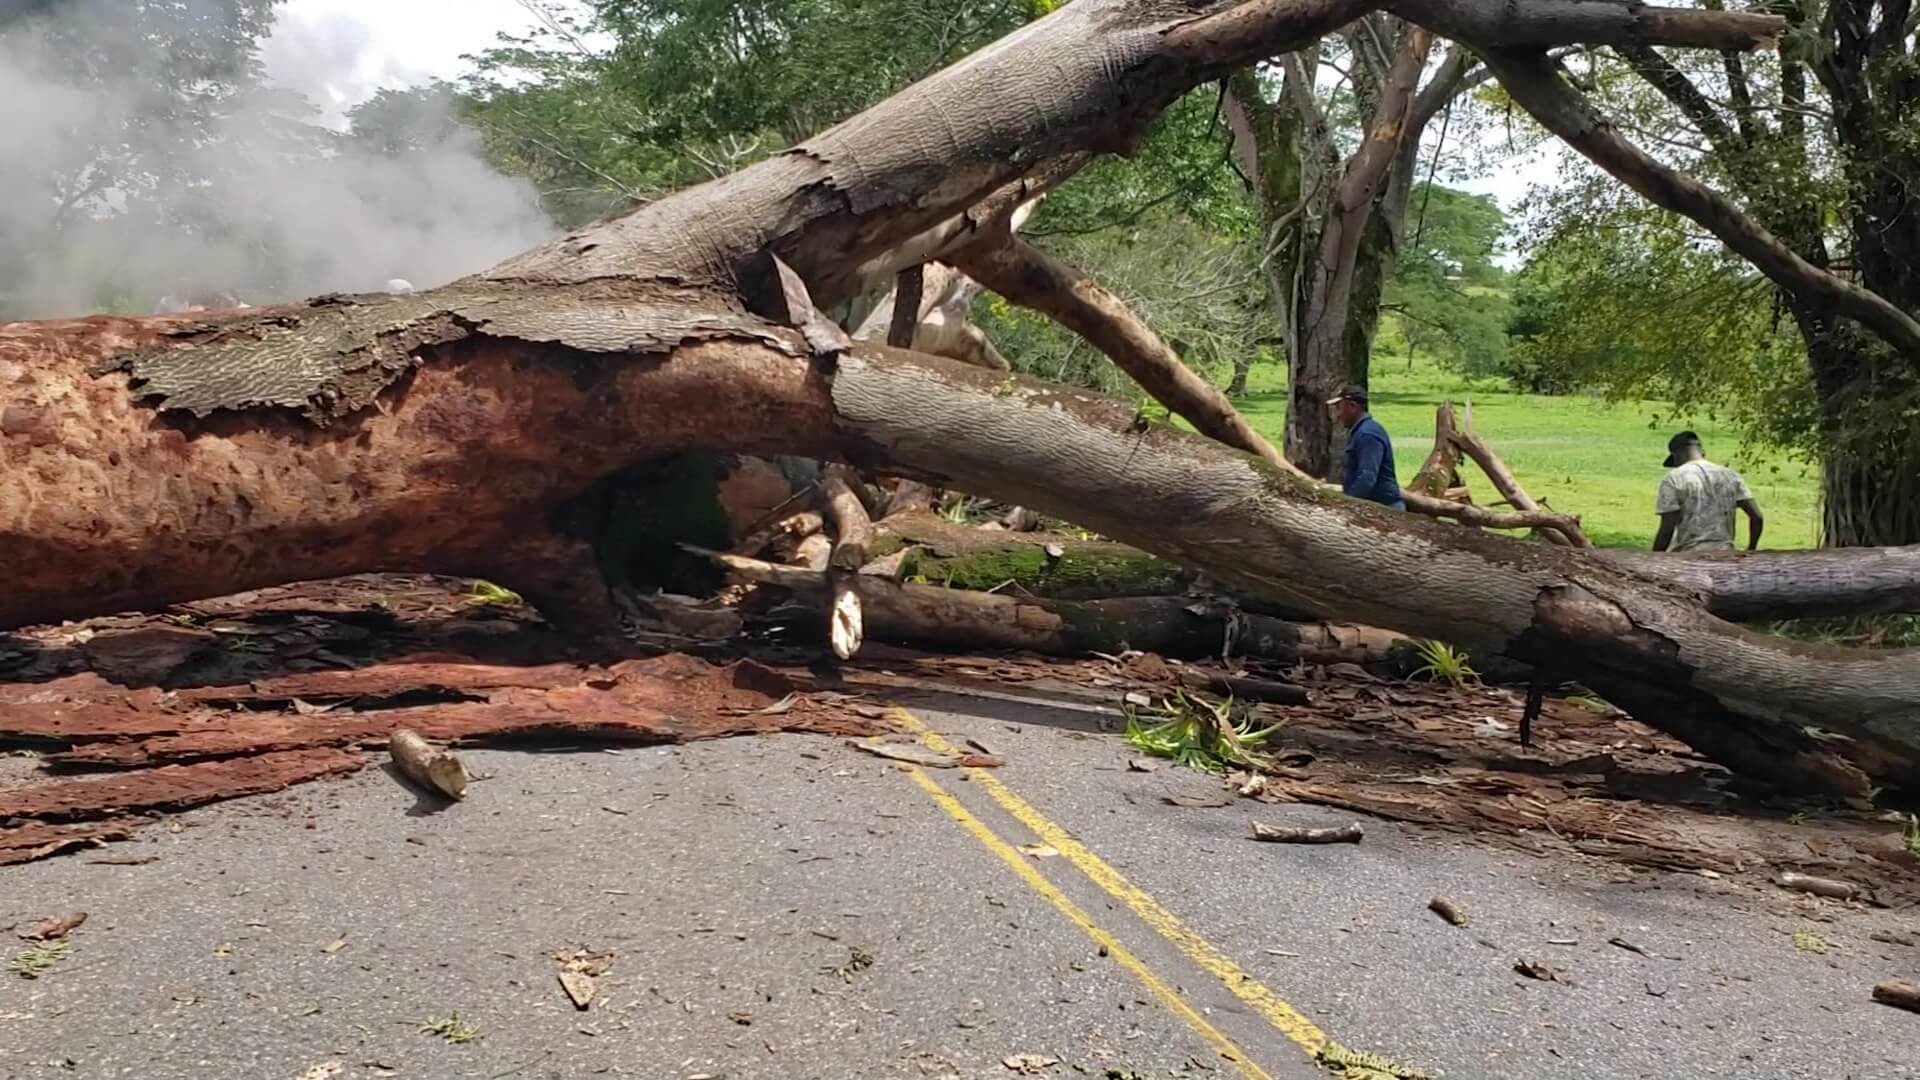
x=1285, y=834
x=1559, y=529
x=853, y=533
x=1033, y=279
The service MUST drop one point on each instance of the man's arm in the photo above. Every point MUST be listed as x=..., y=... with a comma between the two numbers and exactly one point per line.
x=1667, y=504
x=1363, y=471
x=1669, y=521
x=1755, y=522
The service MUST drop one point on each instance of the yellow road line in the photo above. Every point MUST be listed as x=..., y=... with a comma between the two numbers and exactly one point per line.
x=1118, y=952
x=1284, y=1017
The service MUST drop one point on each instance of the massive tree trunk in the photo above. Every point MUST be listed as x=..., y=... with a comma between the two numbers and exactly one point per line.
x=156, y=460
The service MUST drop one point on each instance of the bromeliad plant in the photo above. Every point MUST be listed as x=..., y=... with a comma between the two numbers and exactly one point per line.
x=1199, y=734
x=1444, y=663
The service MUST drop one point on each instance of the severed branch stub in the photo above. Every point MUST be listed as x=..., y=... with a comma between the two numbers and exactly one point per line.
x=431, y=768
x=853, y=533
x=1285, y=834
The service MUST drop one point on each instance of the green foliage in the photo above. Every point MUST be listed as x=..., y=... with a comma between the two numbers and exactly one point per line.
x=1360, y=1065
x=1910, y=836
x=1444, y=663
x=1858, y=631
x=1199, y=734
x=452, y=1029
x=1633, y=306
x=692, y=89
x=38, y=958
x=1202, y=291
x=1447, y=293
x=487, y=594
x=1807, y=940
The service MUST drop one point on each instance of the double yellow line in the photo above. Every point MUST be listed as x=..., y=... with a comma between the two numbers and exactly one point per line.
x=1285, y=1018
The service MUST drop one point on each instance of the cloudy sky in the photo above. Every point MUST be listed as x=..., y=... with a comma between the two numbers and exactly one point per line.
x=339, y=52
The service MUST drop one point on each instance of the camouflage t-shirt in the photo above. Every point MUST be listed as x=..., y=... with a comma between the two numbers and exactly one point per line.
x=1705, y=494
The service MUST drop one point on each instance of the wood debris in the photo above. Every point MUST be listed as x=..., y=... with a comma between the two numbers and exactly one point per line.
x=1900, y=995
x=1350, y=833
x=434, y=769
x=1827, y=887
x=1534, y=969
x=57, y=927
x=1447, y=910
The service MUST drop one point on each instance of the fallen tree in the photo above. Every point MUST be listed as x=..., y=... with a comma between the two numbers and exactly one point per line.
x=159, y=459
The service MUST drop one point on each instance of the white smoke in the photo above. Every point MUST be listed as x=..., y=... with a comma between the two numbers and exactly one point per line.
x=280, y=204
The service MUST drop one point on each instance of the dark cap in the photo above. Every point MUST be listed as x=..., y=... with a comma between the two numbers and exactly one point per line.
x=1353, y=392
x=1678, y=445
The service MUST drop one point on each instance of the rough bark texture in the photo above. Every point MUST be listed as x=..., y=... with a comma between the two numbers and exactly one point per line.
x=429, y=431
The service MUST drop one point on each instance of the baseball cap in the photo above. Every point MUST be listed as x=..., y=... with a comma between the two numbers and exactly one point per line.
x=1350, y=392
x=1678, y=445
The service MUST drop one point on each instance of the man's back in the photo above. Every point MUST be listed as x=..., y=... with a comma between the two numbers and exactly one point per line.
x=1704, y=495
x=1369, y=468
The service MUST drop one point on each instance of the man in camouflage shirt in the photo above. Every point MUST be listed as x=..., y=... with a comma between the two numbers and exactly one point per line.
x=1697, y=499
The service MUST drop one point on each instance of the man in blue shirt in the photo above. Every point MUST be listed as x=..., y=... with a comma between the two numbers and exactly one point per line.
x=1369, y=472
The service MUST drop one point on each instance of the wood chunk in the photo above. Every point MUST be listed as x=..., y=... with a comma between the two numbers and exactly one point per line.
x=431, y=768
x=1280, y=834
x=1447, y=910
x=1900, y=995
x=1819, y=886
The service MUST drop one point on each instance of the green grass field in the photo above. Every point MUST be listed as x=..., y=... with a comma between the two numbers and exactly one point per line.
x=1579, y=454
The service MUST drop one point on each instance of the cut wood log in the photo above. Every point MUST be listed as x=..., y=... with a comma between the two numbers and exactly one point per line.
x=430, y=767
x=1284, y=834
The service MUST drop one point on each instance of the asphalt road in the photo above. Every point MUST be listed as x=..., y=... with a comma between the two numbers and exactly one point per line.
x=734, y=884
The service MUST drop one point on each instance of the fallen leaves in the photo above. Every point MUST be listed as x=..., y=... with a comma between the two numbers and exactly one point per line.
x=928, y=758
x=580, y=971
x=1534, y=969
x=451, y=1028
x=57, y=927
x=858, y=960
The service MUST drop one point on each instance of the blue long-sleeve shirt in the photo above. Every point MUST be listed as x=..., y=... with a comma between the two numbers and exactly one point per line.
x=1369, y=473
